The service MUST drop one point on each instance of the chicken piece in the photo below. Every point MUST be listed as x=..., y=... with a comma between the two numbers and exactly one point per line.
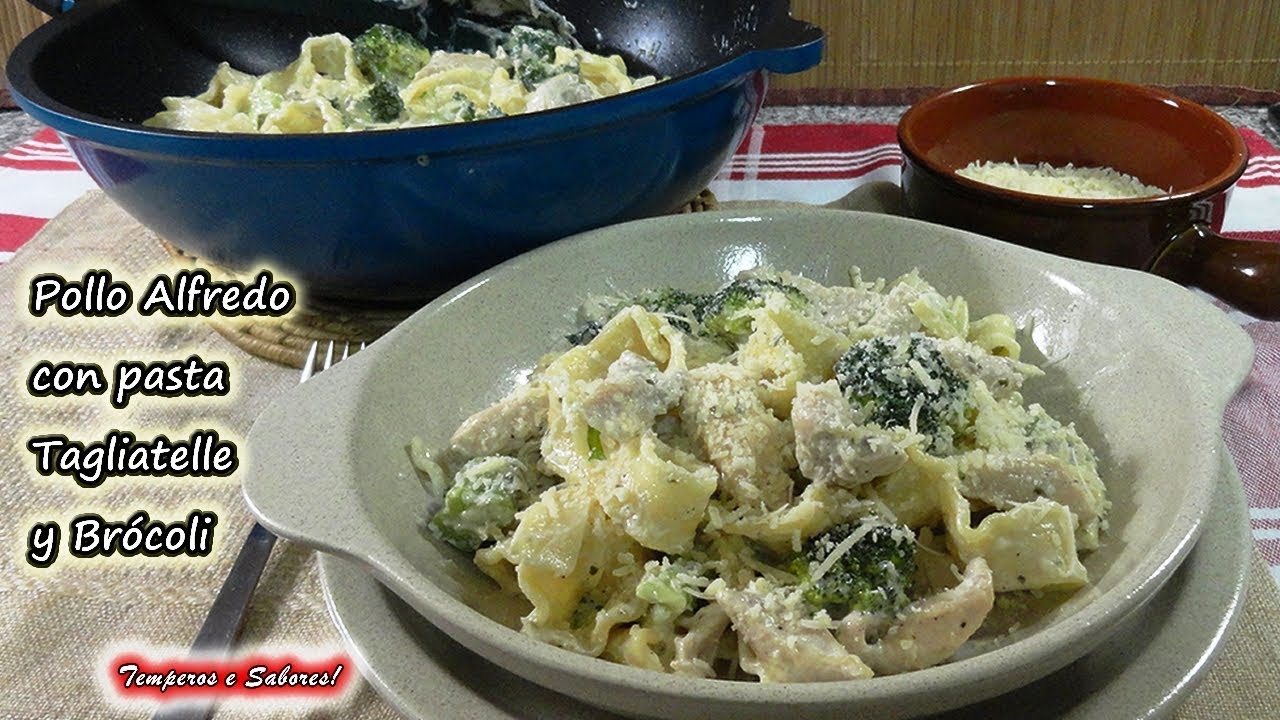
x=505, y=426
x=1002, y=375
x=832, y=446
x=783, y=642
x=738, y=435
x=926, y=632
x=625, y=403
x=560, y=90
x=696, y=649
x=1026, y=455
x=1004, y=481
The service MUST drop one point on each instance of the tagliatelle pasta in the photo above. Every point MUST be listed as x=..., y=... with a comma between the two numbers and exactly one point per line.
x=777, y=479
x=336, y=85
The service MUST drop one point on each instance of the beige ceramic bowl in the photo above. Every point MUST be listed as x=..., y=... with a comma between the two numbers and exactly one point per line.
x=1142, y=366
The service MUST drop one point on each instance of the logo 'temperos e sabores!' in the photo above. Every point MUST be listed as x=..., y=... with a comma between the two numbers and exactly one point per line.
x=131, y=676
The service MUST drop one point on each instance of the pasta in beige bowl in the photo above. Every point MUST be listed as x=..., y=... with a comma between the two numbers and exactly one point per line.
x=1142, y=367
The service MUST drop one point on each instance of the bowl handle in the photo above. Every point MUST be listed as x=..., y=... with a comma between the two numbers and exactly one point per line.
x=52, y=8
x=277, y=475
x=1244, y=273
x=877, y=196
x=784, y=44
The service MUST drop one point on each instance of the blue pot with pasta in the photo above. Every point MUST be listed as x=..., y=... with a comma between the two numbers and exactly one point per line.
x=313, y=139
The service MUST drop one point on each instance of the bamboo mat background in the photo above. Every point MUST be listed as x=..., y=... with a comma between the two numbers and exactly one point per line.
x=17, y=18
x=909, y=43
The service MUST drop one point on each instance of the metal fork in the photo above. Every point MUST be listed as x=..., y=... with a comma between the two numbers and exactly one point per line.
x=226, y=616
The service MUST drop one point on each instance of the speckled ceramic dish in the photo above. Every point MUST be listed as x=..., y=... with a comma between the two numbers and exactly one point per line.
x=1143, y=367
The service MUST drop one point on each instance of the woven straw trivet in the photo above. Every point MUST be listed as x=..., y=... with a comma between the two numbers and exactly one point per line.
x=287, y=340
x=706, y=200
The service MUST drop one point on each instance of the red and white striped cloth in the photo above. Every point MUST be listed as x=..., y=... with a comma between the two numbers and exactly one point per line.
x=817, y=164
x=821, y=163
x=38, y=179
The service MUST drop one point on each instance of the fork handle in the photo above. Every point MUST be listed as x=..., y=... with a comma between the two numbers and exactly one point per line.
x=227, y=614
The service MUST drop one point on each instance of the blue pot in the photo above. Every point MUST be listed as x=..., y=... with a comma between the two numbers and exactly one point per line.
x=394, y=216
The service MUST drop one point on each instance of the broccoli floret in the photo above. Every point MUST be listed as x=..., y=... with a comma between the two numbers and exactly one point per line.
x=483, y=500
x=529, y=43
x=864, y=566
x=671, y=585
x=681, y=308
x=468, y=111
x=382, y=102
x=671, y=301
x=388, y=54
x=725, y=314
x=533, y=53
x=721, y=314
x=896, y=380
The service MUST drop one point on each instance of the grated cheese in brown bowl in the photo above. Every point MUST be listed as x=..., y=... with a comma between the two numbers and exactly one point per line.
x=1068, y=181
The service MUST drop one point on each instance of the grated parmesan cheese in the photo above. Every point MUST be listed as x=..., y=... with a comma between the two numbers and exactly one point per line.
x=1067, y=182
x=835, y=553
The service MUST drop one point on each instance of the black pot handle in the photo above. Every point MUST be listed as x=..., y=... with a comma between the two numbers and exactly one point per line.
x=52, y=7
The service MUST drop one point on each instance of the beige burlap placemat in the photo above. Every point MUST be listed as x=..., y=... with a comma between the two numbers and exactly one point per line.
x=57, y=626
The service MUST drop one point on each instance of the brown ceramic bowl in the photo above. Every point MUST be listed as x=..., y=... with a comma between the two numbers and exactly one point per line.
x=1161, y=139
